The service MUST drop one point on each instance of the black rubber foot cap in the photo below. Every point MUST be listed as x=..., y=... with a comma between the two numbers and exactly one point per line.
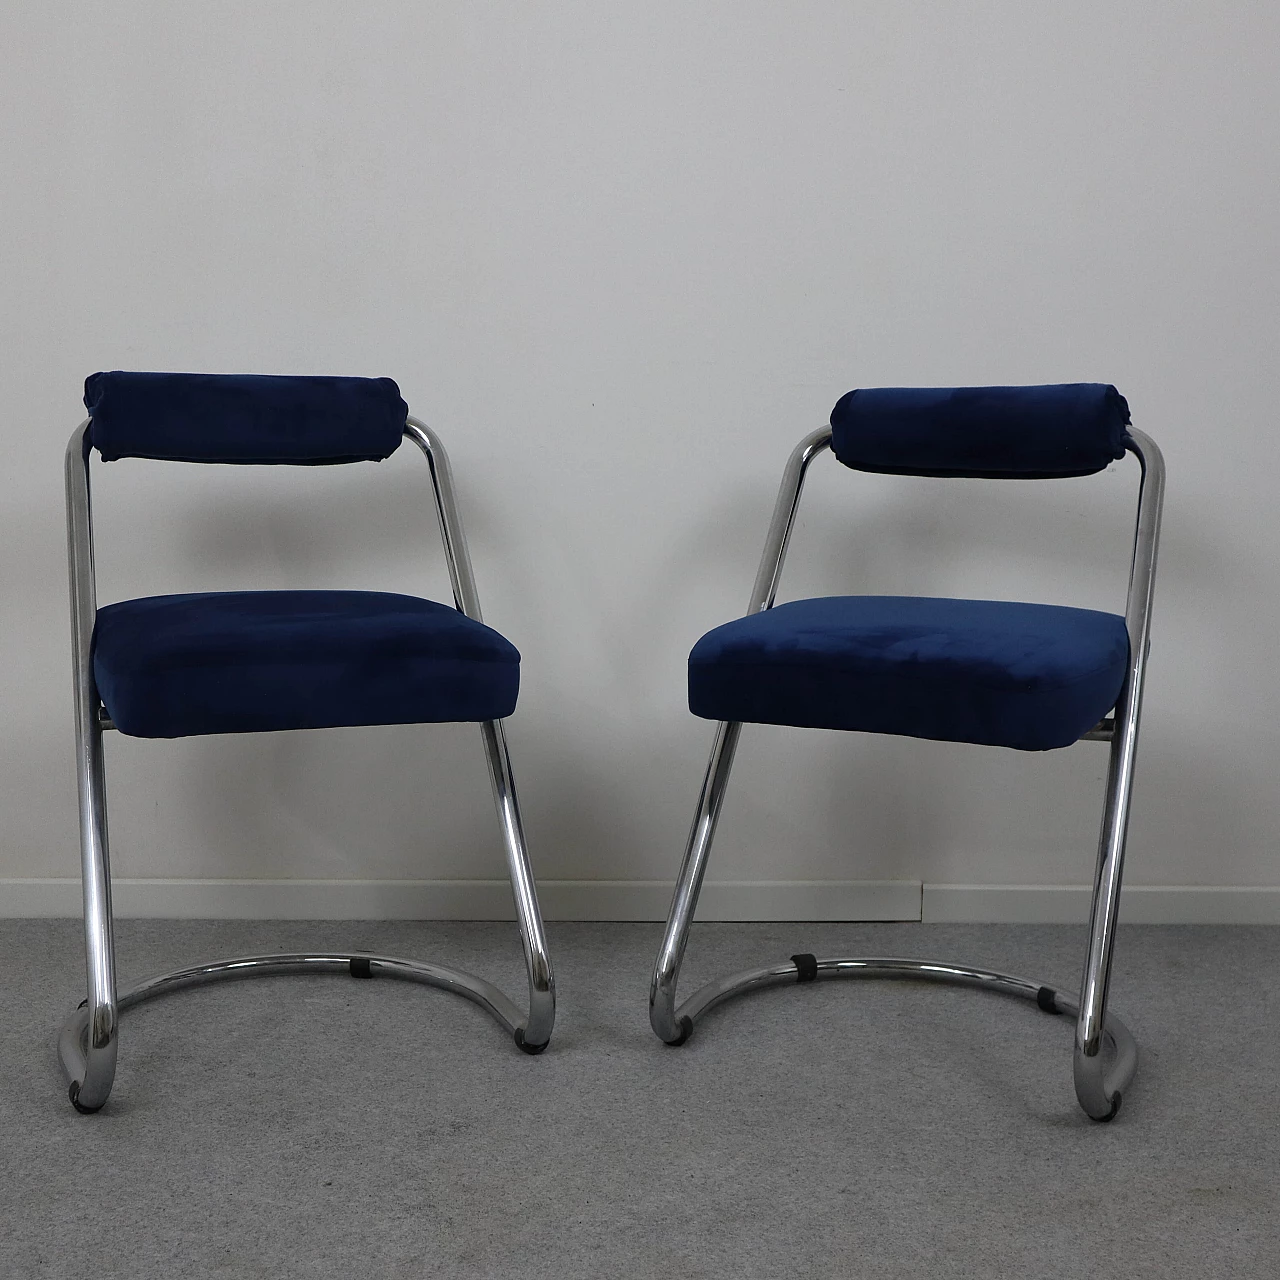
x=73, y=1092
x=686, y=1030
x=1046, y=999
x=529, y=1048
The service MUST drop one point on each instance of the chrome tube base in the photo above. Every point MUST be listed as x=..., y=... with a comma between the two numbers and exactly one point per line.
x=88, y=1040
x=1100, y=1077
x=95, y=1046
x=1101, y=1100
x=73, y=1040
x=1106, y=1056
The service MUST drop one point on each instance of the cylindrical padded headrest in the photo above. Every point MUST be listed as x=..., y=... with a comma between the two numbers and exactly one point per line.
x=1072, y=429
x=249, y=418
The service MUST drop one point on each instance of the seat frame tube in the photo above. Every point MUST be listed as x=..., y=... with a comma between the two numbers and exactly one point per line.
x=1105, y=1055
x=88, y=1041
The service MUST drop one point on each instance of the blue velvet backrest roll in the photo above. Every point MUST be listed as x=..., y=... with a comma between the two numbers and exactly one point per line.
x=247, y=418
x=1072, y=429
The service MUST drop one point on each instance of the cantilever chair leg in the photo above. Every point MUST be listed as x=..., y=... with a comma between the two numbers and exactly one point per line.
x=1099, y=1085
x=88, y=1039
x=87, y=1045
x=1099, y=1091
x=89, y=1062
x=533, y=1034
x=672, y=1026
x=1106, y=1054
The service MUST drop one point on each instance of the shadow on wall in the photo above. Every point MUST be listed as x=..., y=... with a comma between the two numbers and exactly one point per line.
x=176, y=527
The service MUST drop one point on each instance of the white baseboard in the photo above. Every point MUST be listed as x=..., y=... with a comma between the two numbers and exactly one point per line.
x=644, y=900
x=1069, y=904
x=467, y=899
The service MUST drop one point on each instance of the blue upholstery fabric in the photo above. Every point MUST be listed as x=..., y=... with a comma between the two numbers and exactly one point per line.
x=214, y=417
x=995, y=432
x=1030, y=676
x=249, y=661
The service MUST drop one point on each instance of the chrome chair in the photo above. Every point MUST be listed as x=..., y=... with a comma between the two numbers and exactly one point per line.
x=1028, y=676
x=227, y=662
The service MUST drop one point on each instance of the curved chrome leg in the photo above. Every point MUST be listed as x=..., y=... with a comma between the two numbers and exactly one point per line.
x=1100, y=1079
x=347, y=964
x=1099, y=1084
x=806, y=968
x=666, y=974
x=87, y=1043
x=89, y=1059
x=72, y=1040
x=1100, y=1089
x=533, y=1033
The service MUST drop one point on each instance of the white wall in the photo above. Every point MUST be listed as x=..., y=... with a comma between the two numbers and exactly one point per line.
x=622, y=257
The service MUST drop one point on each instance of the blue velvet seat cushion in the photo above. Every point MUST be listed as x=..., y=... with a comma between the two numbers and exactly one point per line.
x=1072, y=429
x=250, y=661
x=1030, y=676
x=248, y=418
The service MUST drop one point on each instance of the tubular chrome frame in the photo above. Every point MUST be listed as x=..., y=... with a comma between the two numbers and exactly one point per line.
x=1100, y=1078
x=87, y=1043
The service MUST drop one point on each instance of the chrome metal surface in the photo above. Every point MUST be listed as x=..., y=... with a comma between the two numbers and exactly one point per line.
x=536, y=1029
x=1099, y=1088
x=713, y=993
x=542, y=987
x=1121, y=1059
x=666, y=973
x=1100, y=1079
x=485, y=994
x=91, y=1083
x=784, y=517
x=87, y=1043
x=456, y=555
x=736, y=984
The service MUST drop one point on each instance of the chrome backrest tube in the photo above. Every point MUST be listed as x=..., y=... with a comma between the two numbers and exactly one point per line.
x=456, y=555
x=94, y=1059
x=1124, y=746
x=84, y=596
x=1146, y=541
x=784, y=516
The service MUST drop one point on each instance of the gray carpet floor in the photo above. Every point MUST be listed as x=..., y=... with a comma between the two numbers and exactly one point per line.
x=322, y=1127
